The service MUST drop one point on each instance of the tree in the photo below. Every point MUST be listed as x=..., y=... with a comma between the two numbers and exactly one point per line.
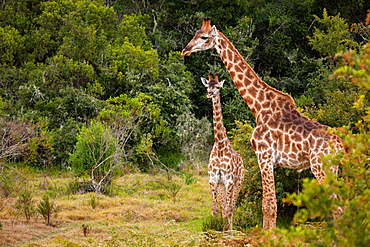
x=105, y=144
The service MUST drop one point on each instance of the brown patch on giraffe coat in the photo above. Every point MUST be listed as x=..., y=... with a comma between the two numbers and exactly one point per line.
x=240, y=76
x=280, y=139
x=301, y=157
x=242, y=92
x=257, y=106
x=287, y=126
x=281, y=126
x=268, y=139
x=275, y=136
x=261, y=96
x=280, y=103
x=284, y=156
x=299, y=146
x=294, y=147
x=293, y=156
x=242, y=65
x=296, y=137
x=249, y=100
x=312, y=141
x=306, y=145
x=224, y=54
x=249, y=75
x=305, y=134
x=228, y=154
x=269, y=96
x=265, y=115
x=295, y=115
x=238, y=84
x=236, y=58
x=266, y=104
x=229, y=66
x=252, y=91
x=273, y=105
x=232, y=74
x=247, y=81
x=223, y=43
x=256, y=84
x=229, y=55
x=253, y=142
x=286, y=143
x=299, y=129
x=220, y=136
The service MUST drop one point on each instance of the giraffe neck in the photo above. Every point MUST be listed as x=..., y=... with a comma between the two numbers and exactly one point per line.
x=218, y=123
x=255, y=92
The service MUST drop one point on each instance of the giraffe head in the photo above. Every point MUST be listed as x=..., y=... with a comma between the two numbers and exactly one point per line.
x=213, y=85
x=204, y=39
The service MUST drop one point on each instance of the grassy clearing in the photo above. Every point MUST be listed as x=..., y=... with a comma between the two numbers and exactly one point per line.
x=142, y=213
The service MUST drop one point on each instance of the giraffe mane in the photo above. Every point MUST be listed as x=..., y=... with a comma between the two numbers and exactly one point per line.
x=287, y=97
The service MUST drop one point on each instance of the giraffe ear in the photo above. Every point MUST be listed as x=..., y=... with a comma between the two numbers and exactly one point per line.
x=221, y=83
x=214, y=30
x=204, y=81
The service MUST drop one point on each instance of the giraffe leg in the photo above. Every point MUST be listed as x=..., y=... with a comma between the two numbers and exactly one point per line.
x=213, y=186
x=229, y=194
x=222, y=198
x=316, y=168
x=269, y=206
x=237, y=188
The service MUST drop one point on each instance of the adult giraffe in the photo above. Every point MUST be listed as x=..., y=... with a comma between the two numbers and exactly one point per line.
x=282, y=137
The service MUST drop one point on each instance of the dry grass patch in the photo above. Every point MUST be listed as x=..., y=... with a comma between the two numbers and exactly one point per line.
x=140, y=209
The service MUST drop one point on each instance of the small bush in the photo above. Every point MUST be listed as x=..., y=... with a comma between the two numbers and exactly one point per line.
x=25, y=204
x=215, y=223
x=46, y=208
x=93, y=201
x=173, y=190
x=85, y=229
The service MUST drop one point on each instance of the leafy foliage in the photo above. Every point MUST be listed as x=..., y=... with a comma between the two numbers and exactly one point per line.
x=330, y=40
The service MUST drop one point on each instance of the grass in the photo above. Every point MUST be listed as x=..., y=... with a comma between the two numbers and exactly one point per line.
x=140, y=214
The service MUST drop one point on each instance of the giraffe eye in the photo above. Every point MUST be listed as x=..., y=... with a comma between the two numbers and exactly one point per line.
x=204, y=37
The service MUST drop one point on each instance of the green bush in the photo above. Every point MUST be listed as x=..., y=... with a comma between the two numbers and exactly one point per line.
x=215, y=223
x=25, y=204
x=95, y=153
x=46, y=207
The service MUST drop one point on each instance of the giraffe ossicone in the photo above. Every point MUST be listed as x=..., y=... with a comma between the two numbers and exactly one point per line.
x=225, y=168
x=282, y=137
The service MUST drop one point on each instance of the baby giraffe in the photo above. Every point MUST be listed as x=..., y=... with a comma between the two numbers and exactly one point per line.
x=225, y=169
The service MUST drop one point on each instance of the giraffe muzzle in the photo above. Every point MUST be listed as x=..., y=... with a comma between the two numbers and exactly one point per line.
x=185, y=52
